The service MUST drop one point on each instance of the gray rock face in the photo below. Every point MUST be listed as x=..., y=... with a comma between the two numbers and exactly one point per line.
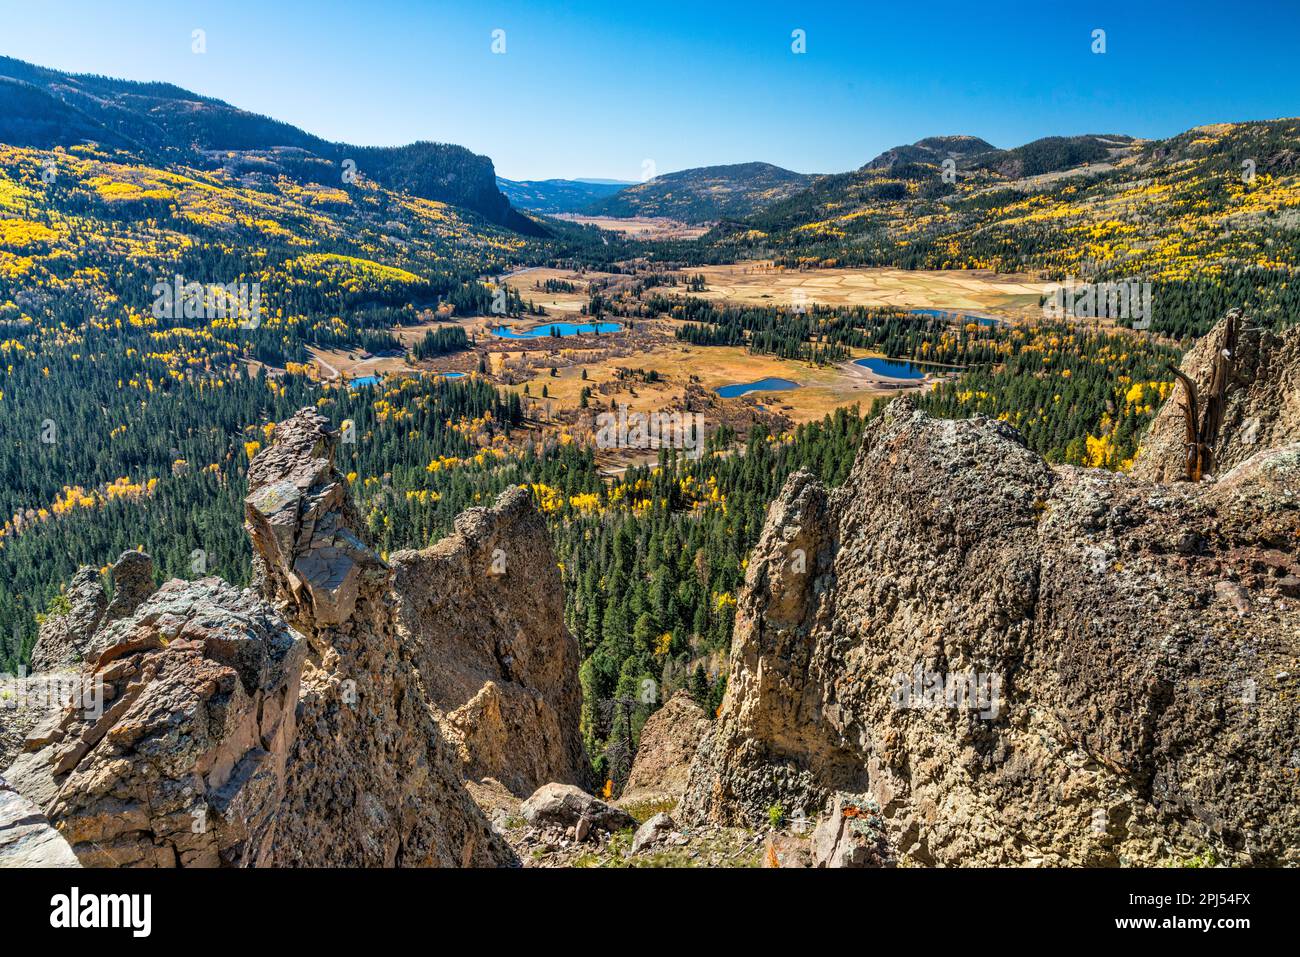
x=26, y=838
x=132, y=584
x=563, y=805
x=668, y=743
x=62, y=640
x=371, y=779
x=1018, y=664
x=850, y=835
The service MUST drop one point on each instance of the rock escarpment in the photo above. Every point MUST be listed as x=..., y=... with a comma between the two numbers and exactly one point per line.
x=26, y=838
x=62, y=640
x=1015, y=664
x=371, y=779
x=663, y=756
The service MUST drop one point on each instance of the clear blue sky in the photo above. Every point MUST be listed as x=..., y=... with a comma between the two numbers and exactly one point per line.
x=593, y=89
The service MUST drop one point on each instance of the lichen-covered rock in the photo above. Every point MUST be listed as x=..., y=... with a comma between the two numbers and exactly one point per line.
x=1261, y=408
x=668, y=743
x=26, y=838
x=482, y=613
x=371, y=779
x=173, y=753
x=132, y=577
x=851, y=834
x=1018, y=664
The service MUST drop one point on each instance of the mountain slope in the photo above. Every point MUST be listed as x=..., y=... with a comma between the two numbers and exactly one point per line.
x=165, y=124
x=705, y=194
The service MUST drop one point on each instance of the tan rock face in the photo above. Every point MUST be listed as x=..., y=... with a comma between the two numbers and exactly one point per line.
x=1018, y=664
x=1262, y=410
x=174, y=754
x=668, y=743
x=482, y=612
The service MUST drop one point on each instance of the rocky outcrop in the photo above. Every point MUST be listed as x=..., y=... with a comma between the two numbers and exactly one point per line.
x=482, y=613
x=371, y=779
x=62, y=640
x=668, y=743
x=310, y=726
x=26, y=838
x=1261, y=406
x=173, y=753
x=1018, y=664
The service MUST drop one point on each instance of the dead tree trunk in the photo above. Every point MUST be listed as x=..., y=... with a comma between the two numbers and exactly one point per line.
x=1202, y=430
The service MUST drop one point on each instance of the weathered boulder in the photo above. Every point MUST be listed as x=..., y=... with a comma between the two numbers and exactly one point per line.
x=1018, y=664
x=132, y=578
x=26, y=838
x=851, y=834
x=482, y=613
x=173, y=753
x=668, y=743
x=654, y=831
x=563, y=805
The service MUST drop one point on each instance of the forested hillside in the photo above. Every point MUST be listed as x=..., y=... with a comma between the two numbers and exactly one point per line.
x=1209, y=217
x=162, y=124
x=706, y=194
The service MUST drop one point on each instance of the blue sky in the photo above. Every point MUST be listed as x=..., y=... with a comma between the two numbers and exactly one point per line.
x=595, y=89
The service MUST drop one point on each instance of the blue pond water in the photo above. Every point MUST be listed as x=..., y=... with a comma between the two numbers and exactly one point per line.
x=762, y=385
x=453, y=375
x=962, y=317
x=363, y=381
x=563, y=328
x=894, y=368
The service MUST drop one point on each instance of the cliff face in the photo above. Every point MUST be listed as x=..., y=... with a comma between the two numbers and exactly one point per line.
x=1016, y=664
x=329, y=721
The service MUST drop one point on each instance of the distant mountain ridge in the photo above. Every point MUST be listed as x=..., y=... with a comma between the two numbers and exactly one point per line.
x=163, y=123
x=552, y=196
x=705, y=194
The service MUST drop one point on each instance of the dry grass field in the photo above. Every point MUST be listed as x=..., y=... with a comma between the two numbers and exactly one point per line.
x=639, y=227
x=977, y=291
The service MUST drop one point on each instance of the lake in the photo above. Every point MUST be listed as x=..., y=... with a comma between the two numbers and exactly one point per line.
x=563, y=328
x=453, y=375
x=363, y=381
x=893, y=368
x=762, y=385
